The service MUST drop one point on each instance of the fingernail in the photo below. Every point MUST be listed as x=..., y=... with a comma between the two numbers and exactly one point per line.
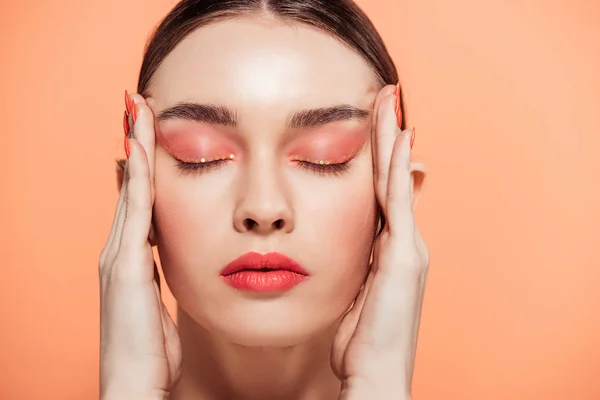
x=412, y=137
x=397, y=106
x=127, y=147
x=127, y=103
x=126, y=123
x=134, y=112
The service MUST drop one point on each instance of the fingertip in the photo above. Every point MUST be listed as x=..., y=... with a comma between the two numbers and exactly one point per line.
x=137, y=99
x=404, y=142
x=385, y=91
x=144, y=128
x=386, y=103
x=389, y=89
x=143, y=111
x=140, y=108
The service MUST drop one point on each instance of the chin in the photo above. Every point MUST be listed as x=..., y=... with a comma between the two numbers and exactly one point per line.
x=260, y=337
x=269, y=324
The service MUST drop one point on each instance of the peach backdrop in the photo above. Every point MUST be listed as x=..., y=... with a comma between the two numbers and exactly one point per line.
x=506, y=99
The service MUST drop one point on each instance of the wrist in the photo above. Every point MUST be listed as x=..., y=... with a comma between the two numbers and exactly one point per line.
x=121, y=379
x=375, y=387
x=119, y=392
x=133, y=396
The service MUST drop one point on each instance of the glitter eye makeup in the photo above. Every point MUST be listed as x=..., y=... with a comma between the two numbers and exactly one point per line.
x=204, y=164
x=197, y=149
x=328, y=152
x=323, y=167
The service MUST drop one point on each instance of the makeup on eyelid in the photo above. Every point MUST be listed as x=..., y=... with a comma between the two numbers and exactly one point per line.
x=318, y=147
x=189, y=146
x=331, y=147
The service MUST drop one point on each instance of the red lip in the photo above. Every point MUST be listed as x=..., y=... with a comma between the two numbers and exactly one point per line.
x=257, y=261
x=271, y=272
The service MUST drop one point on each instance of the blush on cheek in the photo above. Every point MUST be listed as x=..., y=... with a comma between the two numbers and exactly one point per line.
x=361, y=214
x=352, y=224
x=177, y=234
x=195, y=144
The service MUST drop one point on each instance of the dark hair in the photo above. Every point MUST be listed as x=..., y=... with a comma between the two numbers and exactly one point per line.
x=342, y=19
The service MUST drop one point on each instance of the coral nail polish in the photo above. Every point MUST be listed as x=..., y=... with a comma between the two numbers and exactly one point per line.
x=412, y=138
x=127, y=147
x=134, y=112
x=397, y=105
x=126, y=123
x=127, y=103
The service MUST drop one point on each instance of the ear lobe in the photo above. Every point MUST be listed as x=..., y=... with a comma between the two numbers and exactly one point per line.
x=418, y=173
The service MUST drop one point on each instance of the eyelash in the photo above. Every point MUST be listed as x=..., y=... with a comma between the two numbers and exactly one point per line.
x=325, y=169
x=191, y=167
x=321, y=169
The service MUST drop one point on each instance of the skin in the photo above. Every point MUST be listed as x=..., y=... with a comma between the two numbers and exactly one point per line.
x=349, y=329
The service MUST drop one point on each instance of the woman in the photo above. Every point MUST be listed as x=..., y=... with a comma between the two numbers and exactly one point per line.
x=269, y=163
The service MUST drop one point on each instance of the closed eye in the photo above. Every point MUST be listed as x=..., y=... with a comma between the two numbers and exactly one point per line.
x=199, y=167
x=325, y=169
x=318, y=168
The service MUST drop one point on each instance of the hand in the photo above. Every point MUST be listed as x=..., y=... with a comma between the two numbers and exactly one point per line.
x=374, y=349
x=140, y=352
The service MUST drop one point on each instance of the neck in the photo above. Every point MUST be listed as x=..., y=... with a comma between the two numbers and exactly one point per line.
x=215, y=369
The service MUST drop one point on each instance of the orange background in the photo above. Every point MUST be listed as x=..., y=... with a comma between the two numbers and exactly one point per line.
x=505, y=96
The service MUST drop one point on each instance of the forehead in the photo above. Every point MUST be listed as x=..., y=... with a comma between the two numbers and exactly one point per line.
x=263, y=62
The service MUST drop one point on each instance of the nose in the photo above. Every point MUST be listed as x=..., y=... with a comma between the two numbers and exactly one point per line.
x=264, y=206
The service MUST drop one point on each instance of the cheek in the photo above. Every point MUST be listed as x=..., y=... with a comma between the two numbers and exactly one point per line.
x=183, y=222
x=351, y=209
x=184, y=210
x=343, y=220
x=353, y=223
x=173, y=212
x=343, y=229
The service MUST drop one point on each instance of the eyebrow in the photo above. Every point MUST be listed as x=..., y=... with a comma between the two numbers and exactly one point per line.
x=220, y=115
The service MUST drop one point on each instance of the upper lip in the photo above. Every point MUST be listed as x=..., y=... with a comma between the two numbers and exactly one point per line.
x=255, y=261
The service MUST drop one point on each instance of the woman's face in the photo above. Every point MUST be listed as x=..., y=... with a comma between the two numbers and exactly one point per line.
x=290, y=105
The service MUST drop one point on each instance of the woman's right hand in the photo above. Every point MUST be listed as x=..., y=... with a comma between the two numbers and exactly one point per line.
x=140, y=351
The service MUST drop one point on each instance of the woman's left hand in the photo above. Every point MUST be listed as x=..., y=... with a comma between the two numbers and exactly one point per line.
x=374, y=349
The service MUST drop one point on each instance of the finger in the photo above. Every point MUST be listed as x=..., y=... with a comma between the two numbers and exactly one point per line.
x=348, y=327
x=117, y=224
x=385, y=91
x=138, y=201
x=354, y=313
x=399, y=196
x=173, y=346
x=384, y=134
x=143, y=131
x=116, y=244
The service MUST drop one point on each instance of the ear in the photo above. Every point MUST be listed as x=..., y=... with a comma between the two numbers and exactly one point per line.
x=120, y=177
x=417, y=179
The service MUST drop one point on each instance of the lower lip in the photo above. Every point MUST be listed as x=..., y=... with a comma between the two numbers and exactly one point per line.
x=264, y=281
